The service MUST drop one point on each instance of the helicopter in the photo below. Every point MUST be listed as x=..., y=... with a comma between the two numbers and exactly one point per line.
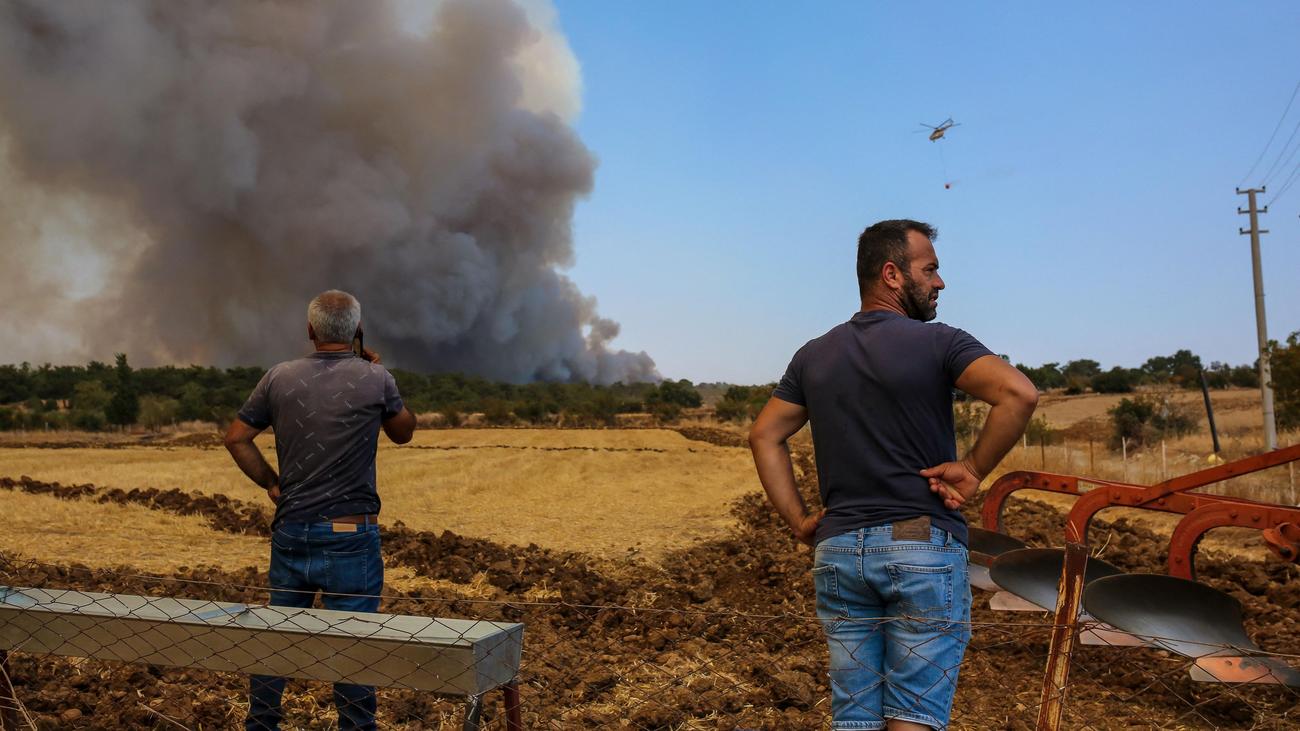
x=938, y=131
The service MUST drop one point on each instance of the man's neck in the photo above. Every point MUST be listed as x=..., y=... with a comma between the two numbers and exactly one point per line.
x=331, y=347
x=873, y=302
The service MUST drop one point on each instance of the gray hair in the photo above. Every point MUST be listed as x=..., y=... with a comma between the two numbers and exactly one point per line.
x=334, y=316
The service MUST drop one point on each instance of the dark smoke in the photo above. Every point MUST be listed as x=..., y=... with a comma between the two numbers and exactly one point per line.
x=179, y=178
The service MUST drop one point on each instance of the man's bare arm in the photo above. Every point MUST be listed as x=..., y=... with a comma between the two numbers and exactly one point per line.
x=768, y=439
x=239, y=442
x=1013, y=398
x=400, y=428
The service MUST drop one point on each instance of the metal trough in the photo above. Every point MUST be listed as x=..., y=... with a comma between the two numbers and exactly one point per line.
x=446, y=656
x=1191, y=619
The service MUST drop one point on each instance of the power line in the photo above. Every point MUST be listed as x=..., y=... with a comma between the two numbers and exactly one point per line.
x=1286, y=185
x=1275, y=130
x=1280, y=153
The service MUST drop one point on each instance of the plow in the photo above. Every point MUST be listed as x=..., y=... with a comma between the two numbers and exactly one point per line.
x=1170, y=611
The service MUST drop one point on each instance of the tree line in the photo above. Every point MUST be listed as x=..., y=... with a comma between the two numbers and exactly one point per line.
x=1182, y=369
x=98, y=395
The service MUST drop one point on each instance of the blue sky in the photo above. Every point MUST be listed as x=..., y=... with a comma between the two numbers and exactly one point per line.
x=743, y=146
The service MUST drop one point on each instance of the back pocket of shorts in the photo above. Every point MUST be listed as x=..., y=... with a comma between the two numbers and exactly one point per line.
x=924, y=596
x=830, y=607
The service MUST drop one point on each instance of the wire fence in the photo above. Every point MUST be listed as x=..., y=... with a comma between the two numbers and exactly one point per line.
x=95, y=649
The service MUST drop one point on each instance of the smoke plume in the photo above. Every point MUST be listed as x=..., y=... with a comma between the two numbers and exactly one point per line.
x=179, y=177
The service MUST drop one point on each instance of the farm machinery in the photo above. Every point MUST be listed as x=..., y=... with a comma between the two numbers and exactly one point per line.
x=1170, y=611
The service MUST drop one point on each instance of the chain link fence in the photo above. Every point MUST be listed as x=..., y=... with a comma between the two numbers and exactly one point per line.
x=83, y=653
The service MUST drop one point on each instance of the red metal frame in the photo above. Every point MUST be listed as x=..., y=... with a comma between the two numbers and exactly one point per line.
x=1281, y=524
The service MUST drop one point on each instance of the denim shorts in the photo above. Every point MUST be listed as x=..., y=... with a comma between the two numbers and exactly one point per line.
x=897, y=619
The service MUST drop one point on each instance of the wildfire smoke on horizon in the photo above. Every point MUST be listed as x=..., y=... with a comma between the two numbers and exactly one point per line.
x=178, y=178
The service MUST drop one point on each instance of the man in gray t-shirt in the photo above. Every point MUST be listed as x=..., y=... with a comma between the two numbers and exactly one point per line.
x=326, y=410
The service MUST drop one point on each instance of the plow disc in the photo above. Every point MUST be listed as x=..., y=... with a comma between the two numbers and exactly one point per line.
x=1188, y=618
x=1031, y=577
x=985, y=546
x=1034, y=574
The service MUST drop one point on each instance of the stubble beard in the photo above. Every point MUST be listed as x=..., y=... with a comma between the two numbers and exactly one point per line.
x=917, y=300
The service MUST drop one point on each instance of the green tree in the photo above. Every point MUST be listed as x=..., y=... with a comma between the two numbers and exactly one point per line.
x=1115, y=380
x=1181, y=369
x=124, y=408
x=1245, y=376
x=1044, y=377
x=679, y=393
x=157, y=411
x=89, y=400
x=1078, y=374
x=194, y=403
x=1285, y=364
x=90, y=396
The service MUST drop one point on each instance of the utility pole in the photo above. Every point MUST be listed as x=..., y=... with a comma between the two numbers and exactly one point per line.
x=1261, y=326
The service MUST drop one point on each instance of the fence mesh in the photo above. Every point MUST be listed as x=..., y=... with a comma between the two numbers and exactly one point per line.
x=582, y=665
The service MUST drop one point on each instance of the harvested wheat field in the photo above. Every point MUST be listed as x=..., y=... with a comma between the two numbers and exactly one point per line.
x=657, y=588
x=604, y=493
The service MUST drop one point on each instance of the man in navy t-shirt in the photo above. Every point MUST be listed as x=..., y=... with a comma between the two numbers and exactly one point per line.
x=890, y=566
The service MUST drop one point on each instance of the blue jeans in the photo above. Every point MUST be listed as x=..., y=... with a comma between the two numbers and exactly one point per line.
x=311, y=557
x=897, y=619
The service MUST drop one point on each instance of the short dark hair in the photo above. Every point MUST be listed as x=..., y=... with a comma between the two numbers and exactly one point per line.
x=887, y=241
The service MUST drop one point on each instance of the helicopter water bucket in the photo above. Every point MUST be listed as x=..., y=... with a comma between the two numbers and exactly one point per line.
x=1191, y=619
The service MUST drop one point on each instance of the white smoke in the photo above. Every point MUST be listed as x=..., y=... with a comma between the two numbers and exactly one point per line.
x=180, y=177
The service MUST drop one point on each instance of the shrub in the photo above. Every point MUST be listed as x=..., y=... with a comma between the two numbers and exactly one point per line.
x=1148, y=418
x=665, y=412
x=497, y=412
x=533, y=412
x=1244, y=376
x=742, y=403
x=967, y=418
x=158, y=411
x=1038, y=431
x=451, y=417
x=89, y=419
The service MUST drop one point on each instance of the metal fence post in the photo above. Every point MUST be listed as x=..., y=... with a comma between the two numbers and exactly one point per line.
x=1064, y=632
x=8, y=698
x=514, y=721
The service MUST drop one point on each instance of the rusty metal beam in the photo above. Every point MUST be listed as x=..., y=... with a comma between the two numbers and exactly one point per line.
x=1194, y=525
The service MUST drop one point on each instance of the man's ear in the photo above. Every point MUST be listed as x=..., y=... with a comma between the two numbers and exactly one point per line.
x=891, y=275
x=311, y=333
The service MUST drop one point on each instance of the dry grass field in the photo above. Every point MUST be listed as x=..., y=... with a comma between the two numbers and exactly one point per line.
x=606, y=493
x=640, y=634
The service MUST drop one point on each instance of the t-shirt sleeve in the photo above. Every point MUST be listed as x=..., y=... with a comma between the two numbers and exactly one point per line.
x=791, y=386
x=392, y=399
x=256, y=411
x=963, y=349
